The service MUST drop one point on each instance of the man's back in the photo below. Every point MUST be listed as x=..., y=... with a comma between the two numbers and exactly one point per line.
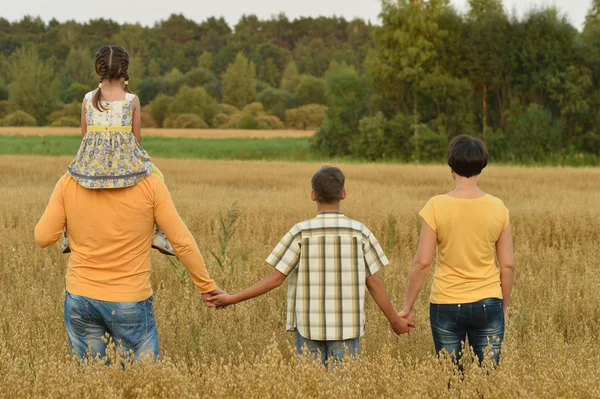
x=327, y=259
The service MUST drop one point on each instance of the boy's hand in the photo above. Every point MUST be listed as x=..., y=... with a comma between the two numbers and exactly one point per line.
x=221, y=300
x=402, y=326
x=207, y=295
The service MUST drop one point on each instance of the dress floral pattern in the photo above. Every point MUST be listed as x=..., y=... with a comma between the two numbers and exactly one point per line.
x=109, y=155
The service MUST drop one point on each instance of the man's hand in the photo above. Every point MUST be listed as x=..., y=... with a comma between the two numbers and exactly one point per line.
x=221, y=300
x=207, y=295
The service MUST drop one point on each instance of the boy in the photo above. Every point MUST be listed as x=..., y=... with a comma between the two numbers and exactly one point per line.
x=329, y=260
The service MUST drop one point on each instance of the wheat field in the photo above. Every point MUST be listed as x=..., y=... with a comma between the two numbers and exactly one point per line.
x=169, y=133
x=552, y=346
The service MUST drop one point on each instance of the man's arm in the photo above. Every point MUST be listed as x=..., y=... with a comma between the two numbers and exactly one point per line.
x=183, y=242
x=265, y=285
x=378, y=292
x=53, y=221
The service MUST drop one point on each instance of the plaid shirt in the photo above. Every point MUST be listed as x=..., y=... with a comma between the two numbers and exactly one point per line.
x=327, y=259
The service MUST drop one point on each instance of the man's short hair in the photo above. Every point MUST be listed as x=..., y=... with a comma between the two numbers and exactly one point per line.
x=328, y=184
x=467, y=156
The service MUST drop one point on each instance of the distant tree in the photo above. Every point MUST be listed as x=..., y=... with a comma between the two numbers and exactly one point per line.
x=291, y=78
x=79, y=68
x=312, y=58
x=159, y=108
x=277, y=101
x=153, y=68
x=33, y=87
x=310, y=90
x=206, y=61
x=347, y=97
x=239, y=82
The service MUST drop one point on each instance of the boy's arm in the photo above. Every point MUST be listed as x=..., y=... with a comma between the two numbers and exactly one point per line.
x=377, y=290
x=262, y=287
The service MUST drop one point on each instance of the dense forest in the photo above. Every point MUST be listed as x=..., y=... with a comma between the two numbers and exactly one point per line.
x=398, y=90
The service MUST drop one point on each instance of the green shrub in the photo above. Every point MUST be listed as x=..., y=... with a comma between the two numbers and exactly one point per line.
x=4, y=108
x=220, y=121
x=186, y=121
x=72, y=111
x=255, y=109
x=247, y=121
x=19, y=118
x=269, y=122
x=227, y=109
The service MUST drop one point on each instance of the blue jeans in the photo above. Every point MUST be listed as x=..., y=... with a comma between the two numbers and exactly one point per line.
x=130, y=324
x=482, y=322
x=329, y=351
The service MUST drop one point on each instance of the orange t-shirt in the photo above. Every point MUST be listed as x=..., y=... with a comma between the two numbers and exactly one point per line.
x=110, y=234
x=467, y=232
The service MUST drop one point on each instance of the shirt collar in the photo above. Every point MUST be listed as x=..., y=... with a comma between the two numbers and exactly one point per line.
x=327, y=213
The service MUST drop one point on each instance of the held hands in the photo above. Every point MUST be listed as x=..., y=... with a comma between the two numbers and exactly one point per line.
x=220, y=300
x=208, y=295
x=403, y=324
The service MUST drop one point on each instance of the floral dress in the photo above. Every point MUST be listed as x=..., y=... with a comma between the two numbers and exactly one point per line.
x=110, y=156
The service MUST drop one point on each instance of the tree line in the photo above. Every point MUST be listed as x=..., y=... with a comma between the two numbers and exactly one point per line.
x=400, y=90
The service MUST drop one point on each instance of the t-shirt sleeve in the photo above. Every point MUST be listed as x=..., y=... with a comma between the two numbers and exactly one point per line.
x=505, y=216
x=428, y=214
x=286, y=255
x=181, y=238
x=375, y=258
x=53, y=221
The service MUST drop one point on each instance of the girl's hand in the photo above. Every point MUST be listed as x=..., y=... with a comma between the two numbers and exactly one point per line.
x=221, y=300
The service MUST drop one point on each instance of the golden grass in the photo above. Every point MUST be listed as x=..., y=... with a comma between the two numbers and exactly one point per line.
x=552, y=342
x=151, y=132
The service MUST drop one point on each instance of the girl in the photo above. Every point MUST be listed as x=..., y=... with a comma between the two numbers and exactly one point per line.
x=110, y=155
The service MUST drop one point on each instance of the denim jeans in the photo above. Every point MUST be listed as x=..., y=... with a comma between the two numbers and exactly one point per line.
x=329, y=351
x=482, y=322
x=130, y=324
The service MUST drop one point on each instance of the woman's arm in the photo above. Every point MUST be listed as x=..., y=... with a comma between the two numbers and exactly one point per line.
x=420, y=268
x=83, y=118
x=53, y=221
x=265, y=285
x=506, y=260
x=137, y=119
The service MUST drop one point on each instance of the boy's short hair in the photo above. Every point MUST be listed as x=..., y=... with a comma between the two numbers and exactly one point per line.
x=328, y=184
x=467, y=156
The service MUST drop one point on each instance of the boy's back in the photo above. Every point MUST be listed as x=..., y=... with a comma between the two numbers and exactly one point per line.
x=327, y=260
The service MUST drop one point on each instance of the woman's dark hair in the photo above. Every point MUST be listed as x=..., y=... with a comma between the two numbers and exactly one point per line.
x=467, y=156
x=111, y=62
x=328, y=184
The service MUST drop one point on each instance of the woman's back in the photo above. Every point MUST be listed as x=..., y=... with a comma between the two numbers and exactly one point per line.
x=467, y=231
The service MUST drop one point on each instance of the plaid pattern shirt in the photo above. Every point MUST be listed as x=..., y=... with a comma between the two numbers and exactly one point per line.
x=327, y=260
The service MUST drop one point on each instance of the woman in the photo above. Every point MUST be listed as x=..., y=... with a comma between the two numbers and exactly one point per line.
x=108, y=277
x=470, y=294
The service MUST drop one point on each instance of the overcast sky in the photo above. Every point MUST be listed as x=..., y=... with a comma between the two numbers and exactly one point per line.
x=148, y=11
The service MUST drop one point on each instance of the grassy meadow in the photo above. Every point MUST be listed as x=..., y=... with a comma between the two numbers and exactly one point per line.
x=551, y=347
x=233, y=148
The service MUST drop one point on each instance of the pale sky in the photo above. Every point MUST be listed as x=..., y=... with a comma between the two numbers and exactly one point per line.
x=148, y=11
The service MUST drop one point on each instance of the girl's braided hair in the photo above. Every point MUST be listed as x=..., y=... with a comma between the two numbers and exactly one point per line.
x=111, y=62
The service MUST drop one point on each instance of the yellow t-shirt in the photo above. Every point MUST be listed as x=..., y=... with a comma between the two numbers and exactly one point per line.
x=467, y=232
